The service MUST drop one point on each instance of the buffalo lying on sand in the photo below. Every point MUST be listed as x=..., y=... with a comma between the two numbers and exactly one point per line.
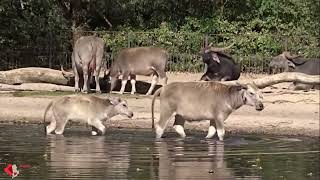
x=296, y=63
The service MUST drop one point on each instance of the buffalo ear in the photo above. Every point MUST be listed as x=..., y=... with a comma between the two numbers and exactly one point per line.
x=238, y=87
x=115, y=100
x=215, y=57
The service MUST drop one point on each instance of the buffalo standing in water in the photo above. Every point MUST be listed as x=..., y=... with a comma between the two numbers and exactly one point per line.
x=196, y=101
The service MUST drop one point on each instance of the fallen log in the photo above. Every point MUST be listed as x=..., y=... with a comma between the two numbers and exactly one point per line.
x=45, y=79
x=35, y=87
x=280, y=78
x=33, y=75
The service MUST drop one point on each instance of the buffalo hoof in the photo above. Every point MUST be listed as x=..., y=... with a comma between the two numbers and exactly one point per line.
x=98, y=92
x=85, y=91
x=77, y=90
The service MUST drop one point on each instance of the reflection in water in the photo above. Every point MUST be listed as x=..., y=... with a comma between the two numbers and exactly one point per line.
x=87, y=157
x=209, y=166
x=135, y=154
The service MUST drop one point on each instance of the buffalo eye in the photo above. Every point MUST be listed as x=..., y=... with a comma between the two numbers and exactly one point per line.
x=124, y=105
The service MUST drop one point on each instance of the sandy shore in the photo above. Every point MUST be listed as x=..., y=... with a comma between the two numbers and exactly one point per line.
x=286, y=112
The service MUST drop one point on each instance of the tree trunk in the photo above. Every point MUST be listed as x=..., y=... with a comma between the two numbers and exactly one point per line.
x=280, y=78
x=35, y=87
x=48, y=80
x=33, y=75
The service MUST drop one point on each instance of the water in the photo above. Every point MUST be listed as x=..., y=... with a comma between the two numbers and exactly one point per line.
x=134, y=154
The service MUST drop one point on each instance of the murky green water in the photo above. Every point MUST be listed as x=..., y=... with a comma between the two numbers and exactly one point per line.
x=134, y=154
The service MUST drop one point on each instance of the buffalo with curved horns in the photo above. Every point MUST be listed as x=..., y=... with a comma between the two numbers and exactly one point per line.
x=296, y=63
x=220, y=66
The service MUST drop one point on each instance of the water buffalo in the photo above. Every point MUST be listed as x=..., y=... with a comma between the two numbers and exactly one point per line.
x=196, y=101
x=278, y=64
x=296, y=63
x=139, y=61
x=87, y=59
x=220, y=66
x=88, y=109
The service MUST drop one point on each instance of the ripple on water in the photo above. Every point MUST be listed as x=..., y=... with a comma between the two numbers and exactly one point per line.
x=135, y=154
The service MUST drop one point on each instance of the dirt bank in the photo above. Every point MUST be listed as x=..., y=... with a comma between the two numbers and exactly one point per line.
x=286, y=112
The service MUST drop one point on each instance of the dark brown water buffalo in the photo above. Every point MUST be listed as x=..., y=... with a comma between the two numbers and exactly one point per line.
x=139, y=61
x=220, y=66
x=87, y=59
x=195, y=101
x=296, y=63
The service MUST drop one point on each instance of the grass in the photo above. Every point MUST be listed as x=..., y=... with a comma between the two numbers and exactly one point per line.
x=39, y=93
x=61, y=93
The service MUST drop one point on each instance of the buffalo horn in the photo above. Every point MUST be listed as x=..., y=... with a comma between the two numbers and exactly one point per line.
x=66, y=74
x=216, y=49
x=289, y=56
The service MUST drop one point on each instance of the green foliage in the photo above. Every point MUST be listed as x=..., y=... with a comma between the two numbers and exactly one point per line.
x=258, y=28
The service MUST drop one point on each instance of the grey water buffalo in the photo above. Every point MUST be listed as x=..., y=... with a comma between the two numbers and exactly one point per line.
x=87, y=59
x=220, y=66
x=194, y=101
x=296, y=63
x=87, y=109
x=139, y=61
x=278, y=64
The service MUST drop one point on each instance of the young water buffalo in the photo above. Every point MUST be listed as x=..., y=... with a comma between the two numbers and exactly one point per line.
x=196, y=101
x=139, y=61
x=88, y=109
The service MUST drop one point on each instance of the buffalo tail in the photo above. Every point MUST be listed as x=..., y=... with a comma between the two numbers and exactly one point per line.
x=157, y=93
x=44, y=116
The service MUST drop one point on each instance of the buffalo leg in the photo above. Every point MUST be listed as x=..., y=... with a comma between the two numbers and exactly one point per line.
x=96, y=77
x=99, y=63
x=61, y=123
x=52, y=126
x=133, y=83
x=205, y=68
x=153, y=84
x=94, y=131
x=204, y=78
x=163, y=77
x=76, y=75
x=98, y=125
x=124, y=82
x=220, y=127
x=123, y=85
x=85, y=79
x=212, y=130
x=165, y=115
x=179, y=125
